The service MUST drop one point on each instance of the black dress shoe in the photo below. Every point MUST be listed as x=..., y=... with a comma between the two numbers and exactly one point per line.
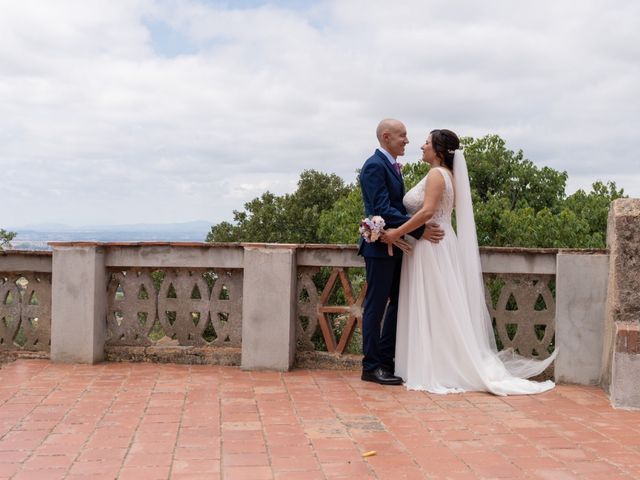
x=389, y=373
x=380, y=376
x=389, y=367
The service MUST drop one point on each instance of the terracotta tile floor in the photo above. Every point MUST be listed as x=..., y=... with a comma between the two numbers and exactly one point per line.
x=158, y=421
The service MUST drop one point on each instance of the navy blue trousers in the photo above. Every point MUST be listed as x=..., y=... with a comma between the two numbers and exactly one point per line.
x=378, y=336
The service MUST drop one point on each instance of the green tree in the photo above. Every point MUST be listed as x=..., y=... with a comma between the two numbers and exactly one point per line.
x=524, y=227
x=290, y=218
x=593, y=207
x=488, y=219
x=339, y=224
x=5, y=238
x=494, y=170
x=260, y=222
x=316, y=193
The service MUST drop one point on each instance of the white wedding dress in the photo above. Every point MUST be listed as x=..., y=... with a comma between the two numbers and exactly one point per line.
x=445, y=341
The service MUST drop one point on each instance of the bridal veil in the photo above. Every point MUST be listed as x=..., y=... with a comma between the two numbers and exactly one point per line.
x=469, y=256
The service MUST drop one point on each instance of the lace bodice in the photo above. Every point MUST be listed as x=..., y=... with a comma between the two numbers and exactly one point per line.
x=414, y=198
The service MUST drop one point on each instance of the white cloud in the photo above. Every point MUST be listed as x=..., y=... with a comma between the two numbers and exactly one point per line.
x=100, y=124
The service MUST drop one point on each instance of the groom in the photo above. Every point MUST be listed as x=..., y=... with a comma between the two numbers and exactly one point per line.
x=382, y=192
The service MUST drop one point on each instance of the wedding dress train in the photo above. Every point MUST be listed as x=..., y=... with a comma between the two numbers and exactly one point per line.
x=445, y=340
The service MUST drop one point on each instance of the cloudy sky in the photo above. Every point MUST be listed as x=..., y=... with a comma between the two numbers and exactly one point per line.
x=161, y=111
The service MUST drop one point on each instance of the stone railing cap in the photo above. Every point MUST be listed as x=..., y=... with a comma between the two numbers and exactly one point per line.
x=305, y=246
x=42, y=253
x=144, y=244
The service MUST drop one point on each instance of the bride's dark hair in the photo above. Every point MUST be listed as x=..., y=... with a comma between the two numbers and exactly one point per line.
x=445, y=143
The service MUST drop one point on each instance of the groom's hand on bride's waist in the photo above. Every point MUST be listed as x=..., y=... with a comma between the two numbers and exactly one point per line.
x=433, y=233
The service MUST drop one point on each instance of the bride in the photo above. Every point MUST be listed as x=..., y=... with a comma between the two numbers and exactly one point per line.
x=445, y=341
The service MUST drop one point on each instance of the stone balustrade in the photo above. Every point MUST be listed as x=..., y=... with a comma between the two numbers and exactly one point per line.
x=25, y=302
x=191, y=301
x=264, y=305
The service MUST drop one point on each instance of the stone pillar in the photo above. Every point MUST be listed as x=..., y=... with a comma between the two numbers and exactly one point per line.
x=621, y=358
x=78, y=303
x=581, y=286
x=269, y=307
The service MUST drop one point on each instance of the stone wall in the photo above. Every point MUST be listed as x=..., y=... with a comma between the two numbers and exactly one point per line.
x=621, y=358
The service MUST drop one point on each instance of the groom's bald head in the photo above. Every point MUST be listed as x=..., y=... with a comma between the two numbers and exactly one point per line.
x=392, y=135
x=388, y=125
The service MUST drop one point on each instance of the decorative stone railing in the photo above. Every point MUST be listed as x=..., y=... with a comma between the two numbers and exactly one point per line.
x=522, y=305
x=25, y=302
x=190, y=302
x=191, y=306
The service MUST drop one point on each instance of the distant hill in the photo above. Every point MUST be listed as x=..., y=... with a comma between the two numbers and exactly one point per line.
x=37, y=236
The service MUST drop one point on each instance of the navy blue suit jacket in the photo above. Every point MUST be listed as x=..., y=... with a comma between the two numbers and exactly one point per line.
x=382, y=192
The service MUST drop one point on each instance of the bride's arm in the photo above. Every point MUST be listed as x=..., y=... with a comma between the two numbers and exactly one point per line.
x=432, y=196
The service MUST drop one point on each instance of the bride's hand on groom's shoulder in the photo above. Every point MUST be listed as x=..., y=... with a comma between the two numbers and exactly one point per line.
x=433, y=233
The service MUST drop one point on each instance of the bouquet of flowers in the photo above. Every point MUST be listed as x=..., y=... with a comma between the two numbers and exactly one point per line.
x=371, y=229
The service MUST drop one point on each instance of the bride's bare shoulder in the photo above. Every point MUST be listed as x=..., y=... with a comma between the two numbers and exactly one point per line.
x=435, y=180
x=444, y=172
x=441, y=173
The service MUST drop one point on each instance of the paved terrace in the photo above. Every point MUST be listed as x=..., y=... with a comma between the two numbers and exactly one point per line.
x=158, y=421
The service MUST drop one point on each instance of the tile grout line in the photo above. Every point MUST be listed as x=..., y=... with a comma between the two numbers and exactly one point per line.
x=220, y=389
x=84, y=392
x=32, y=453
x=531, y=442
x=591, y=429
x=182, y=410
x=369, y=466
x=113, y=399
x=262, y=425
x=78, y=400
x=301, y=423
x=135, y=433
x=422, y=424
